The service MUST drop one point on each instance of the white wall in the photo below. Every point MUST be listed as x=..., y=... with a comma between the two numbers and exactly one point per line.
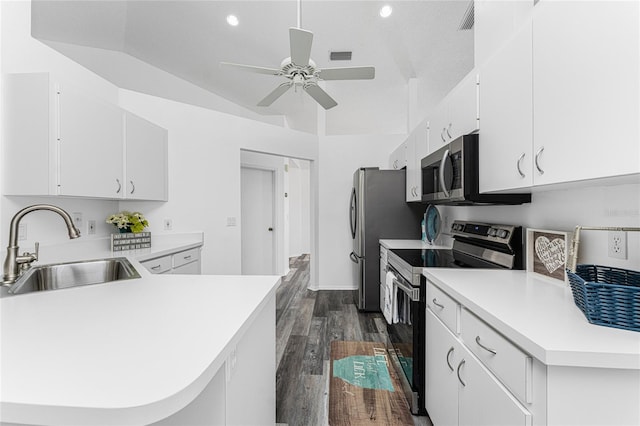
x=299, y=210
x=204, y=170
x=339, y=157
x=599, y=204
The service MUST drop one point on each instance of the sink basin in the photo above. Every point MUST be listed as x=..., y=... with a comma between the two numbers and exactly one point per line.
x=73, y=274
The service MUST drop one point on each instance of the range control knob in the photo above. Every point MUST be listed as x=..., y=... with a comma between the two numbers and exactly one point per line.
x=503, y=233
x=492, y=232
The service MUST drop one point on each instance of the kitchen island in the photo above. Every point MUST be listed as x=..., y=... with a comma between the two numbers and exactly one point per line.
x=160, y=349
x=524, y=351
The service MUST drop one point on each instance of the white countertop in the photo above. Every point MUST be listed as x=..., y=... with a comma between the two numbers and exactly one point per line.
x=125, y=352
x=410, y=244
x=539, y=315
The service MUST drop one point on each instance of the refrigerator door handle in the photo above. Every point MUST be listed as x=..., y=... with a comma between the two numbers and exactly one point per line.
x=354, y=258
x=353, y=213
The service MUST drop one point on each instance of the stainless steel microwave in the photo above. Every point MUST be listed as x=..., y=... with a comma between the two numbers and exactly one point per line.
x=450, y=176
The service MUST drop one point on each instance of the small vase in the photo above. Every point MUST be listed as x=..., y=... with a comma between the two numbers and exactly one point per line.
x=124, y=230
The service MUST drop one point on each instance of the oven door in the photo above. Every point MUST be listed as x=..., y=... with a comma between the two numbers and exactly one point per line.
x=407, y=340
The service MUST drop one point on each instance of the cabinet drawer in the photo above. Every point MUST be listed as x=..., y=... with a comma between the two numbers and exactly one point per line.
x=158, y=265
x=443, y=306
x=185, y=257
x=513, y=367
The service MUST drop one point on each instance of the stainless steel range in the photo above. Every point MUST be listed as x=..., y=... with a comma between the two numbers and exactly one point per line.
x=476, y=245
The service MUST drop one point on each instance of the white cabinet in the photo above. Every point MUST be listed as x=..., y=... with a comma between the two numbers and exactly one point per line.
x=456, y=115
x=185, y=262
x=460, y=391
x=417, y=146
x=146, y=159
x=495, y=22
x=586, y=84
x=506, y=102
x=61, y=141
x=398, y=158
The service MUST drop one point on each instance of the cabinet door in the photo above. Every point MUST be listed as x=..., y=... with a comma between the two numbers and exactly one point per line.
x=398, y=158
x=146, y=148
x=482, y=399
x=410, y=185
x=438, y=123
x=443, y=353
x=90, y=150
x=586, y=85
x=506, y=105
x=463, y=108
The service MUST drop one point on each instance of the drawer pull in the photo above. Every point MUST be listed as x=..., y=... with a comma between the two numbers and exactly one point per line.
x=155, y=268
x=187, y=257
x=448, y=363
x=458, y=373
x=484, y=347
x=435, y=302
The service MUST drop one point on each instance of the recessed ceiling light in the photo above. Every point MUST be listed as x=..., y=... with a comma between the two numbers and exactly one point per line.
x=385, y=11
x=232, y=20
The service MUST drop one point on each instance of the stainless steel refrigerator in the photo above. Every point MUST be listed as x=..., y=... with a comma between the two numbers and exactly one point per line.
x=378, y=210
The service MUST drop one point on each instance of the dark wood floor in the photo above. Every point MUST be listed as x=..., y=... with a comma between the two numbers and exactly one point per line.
x=306, y=323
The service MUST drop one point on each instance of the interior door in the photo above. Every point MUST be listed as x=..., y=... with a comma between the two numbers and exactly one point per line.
x=257, y=204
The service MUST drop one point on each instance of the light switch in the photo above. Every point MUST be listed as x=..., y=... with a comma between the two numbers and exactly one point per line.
x=231, y=221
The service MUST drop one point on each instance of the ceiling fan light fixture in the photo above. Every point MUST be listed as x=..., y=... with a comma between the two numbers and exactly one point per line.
x=385, y=11
x=232, y=20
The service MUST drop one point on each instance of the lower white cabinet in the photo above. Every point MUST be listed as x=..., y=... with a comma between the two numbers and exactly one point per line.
x=185, y=262
x=460, y=390
x=383, y=274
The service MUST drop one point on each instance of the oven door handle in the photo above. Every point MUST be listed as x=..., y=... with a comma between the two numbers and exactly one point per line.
x=412, y=292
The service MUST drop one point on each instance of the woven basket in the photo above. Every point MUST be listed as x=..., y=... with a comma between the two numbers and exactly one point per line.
x=607, y=296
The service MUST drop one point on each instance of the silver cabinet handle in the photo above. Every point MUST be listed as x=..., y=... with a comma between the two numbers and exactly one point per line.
x=458, y=373
x=187, y=257
x=395, y=164
x=441, y=170
x=435, y=302
x=448, y=363
x=155, y=268
x=119, y=186
x=493, y=352
x=537, y=158
x=449, y=134
x=522, y=175
x=442, y=135
x=133, y=187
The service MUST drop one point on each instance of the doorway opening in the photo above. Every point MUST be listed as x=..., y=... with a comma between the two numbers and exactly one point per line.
x=275, y=212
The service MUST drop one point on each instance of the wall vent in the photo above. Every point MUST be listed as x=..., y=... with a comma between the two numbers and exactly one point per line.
x=468, y=18
x=340, y=56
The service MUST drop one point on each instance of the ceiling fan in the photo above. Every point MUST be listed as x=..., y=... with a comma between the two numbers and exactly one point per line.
x=301, y=71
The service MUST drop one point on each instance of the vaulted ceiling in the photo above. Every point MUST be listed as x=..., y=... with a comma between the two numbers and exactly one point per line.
x=188, y=39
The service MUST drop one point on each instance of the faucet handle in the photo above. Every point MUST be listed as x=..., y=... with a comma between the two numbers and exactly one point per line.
x=27, y=258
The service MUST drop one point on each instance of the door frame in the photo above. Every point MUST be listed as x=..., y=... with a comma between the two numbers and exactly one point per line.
x=277, y=215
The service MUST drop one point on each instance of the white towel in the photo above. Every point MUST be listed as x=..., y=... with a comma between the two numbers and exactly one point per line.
x=389, y=306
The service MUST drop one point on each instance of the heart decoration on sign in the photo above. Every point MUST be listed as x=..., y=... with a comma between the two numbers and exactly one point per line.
x=550, y=252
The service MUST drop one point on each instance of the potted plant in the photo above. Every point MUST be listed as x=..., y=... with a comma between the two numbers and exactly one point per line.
x=127, y=222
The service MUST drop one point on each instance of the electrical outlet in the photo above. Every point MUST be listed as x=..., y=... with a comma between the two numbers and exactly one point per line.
x=618, y=244
x=77, y=219
x=91, y=227
x=22, y=232
x=168, y=224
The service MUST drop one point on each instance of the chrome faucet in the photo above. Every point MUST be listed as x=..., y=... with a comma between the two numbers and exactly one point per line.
x=15, y=264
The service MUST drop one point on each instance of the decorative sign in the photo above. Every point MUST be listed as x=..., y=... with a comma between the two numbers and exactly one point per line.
x=130, y=241
x=547, y=253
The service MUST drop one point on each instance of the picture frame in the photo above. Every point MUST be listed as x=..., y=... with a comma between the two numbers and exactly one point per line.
x=548, y=253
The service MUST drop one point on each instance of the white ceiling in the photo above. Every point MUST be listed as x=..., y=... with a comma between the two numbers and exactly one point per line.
x=189, y=39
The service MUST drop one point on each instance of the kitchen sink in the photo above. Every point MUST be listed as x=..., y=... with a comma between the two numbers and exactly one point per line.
x=73, y=274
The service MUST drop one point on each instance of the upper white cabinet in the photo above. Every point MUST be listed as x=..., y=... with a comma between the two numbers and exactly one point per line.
x=398, y=158
x=495, y=22
x=417, y=148
x=506, y=101
x=586, y=85
x=61, y=141
x=456, y=115
x=146, y=149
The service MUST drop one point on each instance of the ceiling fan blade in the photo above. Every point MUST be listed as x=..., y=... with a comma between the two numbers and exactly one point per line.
x=352, y=73
x=251, y=68
x=271, y=97
x=320, y=96
x=300, y=43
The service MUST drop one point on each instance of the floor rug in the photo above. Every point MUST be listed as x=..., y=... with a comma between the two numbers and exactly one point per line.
x=364, y=388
